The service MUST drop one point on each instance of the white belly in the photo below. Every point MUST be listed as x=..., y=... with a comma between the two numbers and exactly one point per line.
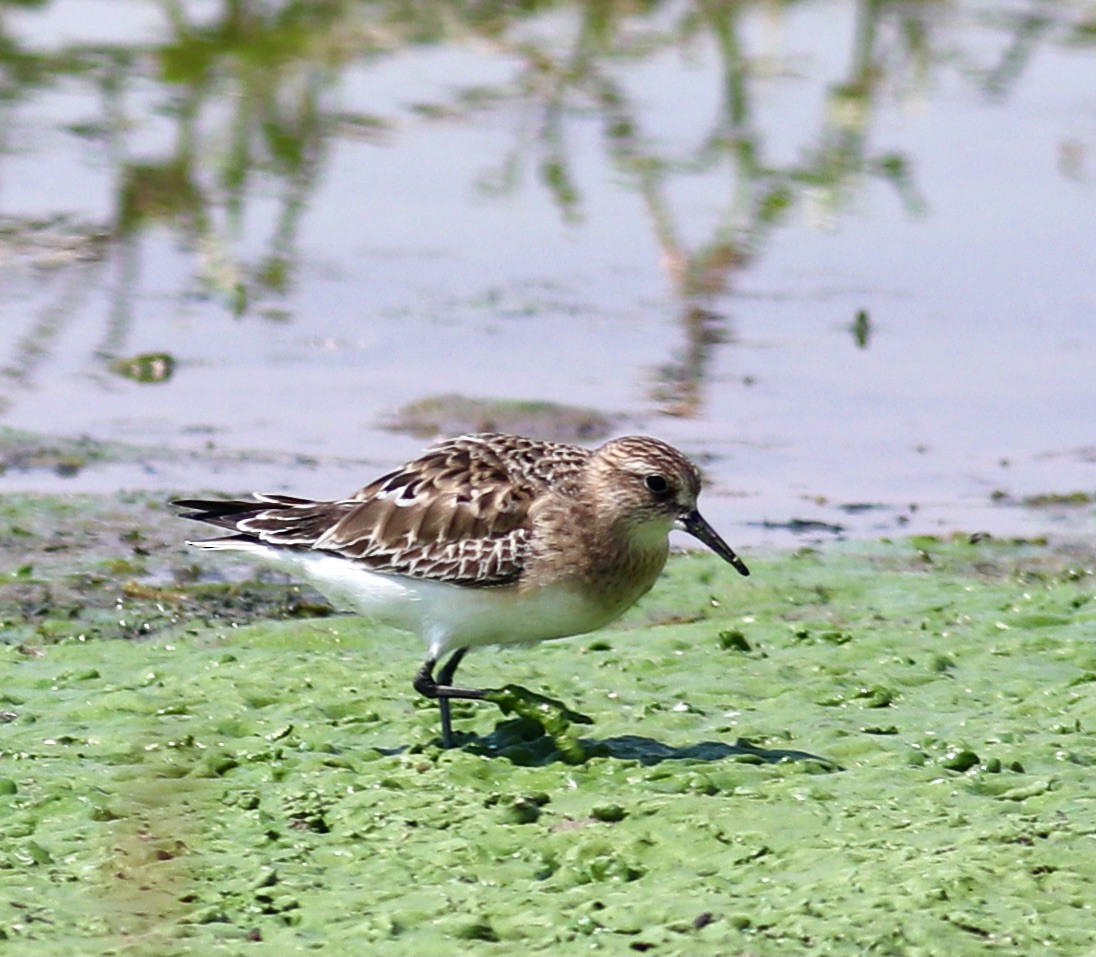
x=446, y=616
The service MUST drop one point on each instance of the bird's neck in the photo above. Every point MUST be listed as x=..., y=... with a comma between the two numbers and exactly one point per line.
x=612, y=562
x=626, y=564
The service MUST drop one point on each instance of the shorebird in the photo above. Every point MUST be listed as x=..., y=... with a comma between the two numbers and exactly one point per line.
x=484, y=539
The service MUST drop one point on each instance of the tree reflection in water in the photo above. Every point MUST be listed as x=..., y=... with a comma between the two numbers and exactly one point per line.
x=220, y=127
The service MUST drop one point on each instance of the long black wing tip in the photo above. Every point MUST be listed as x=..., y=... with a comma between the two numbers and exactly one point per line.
x=193, y=504
x=225, y=541
x=213, y=502
x=221, y=512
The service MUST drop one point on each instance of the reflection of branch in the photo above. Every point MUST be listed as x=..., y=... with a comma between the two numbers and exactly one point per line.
x=554, y=168
x=1029, y=30
x=678, y=391
x=121, y=308
x=271, y=128
x=32, y=349
x=841, y=158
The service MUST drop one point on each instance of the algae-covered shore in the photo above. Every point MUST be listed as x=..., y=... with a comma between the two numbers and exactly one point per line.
x=876, y=748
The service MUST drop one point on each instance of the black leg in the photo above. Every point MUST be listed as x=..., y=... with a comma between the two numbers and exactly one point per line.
x=443, y=690
x=446, y=723
x=445, y=676
x=445, y=679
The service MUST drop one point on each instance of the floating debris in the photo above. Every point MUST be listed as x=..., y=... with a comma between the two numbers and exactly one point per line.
x=146, y=367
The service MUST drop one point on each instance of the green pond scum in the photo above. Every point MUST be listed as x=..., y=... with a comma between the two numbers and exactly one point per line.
x=881, y=748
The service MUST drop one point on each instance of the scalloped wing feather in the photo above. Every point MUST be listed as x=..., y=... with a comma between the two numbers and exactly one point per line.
x=459, y=513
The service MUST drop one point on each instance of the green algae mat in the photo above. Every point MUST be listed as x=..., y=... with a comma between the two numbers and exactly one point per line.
x=880, y=748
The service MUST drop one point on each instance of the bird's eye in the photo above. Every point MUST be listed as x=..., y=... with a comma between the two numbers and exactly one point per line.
x=657, y=483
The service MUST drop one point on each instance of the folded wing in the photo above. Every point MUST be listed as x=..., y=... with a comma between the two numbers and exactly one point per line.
x=459, y=513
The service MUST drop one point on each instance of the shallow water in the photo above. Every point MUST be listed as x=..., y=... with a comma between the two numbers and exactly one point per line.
x=323, y=213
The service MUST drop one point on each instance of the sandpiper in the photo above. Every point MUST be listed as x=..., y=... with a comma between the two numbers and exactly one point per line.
x=484, y=539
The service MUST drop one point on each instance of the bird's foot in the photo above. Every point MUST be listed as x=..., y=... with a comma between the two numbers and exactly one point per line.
x=443, y=692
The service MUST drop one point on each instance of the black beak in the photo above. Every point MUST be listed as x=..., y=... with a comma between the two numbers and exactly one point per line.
x=693, y=523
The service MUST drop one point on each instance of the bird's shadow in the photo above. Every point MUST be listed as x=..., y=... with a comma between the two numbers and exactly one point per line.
x=542, y=731
x=525, y=743
x=520, y=744
x=646, y=750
